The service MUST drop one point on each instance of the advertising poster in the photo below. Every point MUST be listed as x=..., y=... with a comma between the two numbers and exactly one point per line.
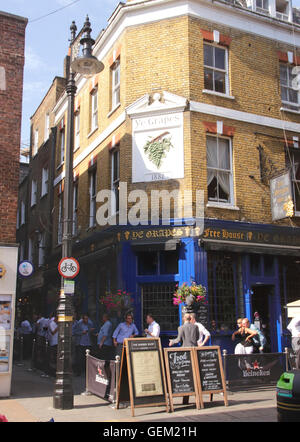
x=5, y=312
x=4, y=353
x=147, y=373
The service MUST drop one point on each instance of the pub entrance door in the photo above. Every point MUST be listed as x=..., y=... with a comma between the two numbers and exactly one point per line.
x=263, y=302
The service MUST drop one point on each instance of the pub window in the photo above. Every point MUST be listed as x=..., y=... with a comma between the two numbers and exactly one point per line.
x=216, y=68
x=147, y=263
x=164, y=262
x=255, y=265
x=269, y=265
x=219, y=169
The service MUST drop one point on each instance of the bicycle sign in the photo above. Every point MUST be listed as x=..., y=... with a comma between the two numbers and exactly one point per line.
x=68, y=267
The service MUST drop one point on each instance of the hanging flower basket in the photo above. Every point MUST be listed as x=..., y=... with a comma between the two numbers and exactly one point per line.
x=194, y=292
x=116, y=301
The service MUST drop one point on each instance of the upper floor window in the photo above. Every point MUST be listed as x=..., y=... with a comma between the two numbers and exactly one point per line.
x=92, y=191
x=30, y=250
x=115, y=179
x=293, y=161
x=22, y=217
x=289, y=96
x=94, y=109
x=33, y=192
x=47, y=127
x=115, y=84
x=42, y=248
x=62, y=146
x=77, y=130
x=262, y=6
x=219, y=170
x=35, y=142
x=216, y=68
x=45, y=174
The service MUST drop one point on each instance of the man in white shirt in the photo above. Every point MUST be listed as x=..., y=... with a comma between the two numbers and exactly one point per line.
x=294, y=328
x=153, y=330
x=53, y=332
x=204, y=334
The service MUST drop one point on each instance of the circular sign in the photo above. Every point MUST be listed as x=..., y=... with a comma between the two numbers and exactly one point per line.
x=26, y=269
x=68, y=267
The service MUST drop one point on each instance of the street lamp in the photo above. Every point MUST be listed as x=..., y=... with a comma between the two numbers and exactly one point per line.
x=86, y=64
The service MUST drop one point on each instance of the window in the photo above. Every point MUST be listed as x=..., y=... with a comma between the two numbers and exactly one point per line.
x=219, y=170
x=35, y=142
x=62, y=146
x=30, y=250
x=42, y=248
x=60, y=219
x=289, y=96
x=216, y=68
x=22, y=213
x=92, y=191
x=44, y=181
x=115, y=85
x=75, y=208
x=262, y=6
x=293, y=161
x=94, y=109
x=47, y=127
x=158, y=262
x=22, y=251
x=77, y=130
x=115, y=179
x=33, y=192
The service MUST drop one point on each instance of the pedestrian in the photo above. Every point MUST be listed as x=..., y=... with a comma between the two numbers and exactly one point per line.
x=126, y=329
x=236, y=336
x=188, y=333
x=84, y=329
x=104, y=339
x=153, y=330
x=294, y=328
x=26, y=332
x=246, y=346
x=204, y=334
x=53, y=341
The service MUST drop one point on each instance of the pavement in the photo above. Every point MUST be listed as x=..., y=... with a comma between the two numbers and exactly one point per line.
x=31, y=400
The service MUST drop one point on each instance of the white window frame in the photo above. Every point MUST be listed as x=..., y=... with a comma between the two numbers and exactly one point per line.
x=35, y=142
x=42, y=249
x=293, y=164
x=92, y=193
x=77, y=130
x=230, y=202
x=115, y=87
x=115, y=180
x=287, y=104
x=23, y=214
x=47, y=126
x=262, y=9
x=62, y=145
x=45, y=181
x=226, y=70
x=33, y=193
x=94, y=109
x=30, y=250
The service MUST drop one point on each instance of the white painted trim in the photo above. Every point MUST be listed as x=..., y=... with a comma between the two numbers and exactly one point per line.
x=87, y=151
x=218, y=94
x=222, y=206
x=245, y=117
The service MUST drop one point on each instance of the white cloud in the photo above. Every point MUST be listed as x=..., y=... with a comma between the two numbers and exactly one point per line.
x=33, y=61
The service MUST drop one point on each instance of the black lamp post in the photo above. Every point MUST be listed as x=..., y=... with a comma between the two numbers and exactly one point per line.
x=86, y=64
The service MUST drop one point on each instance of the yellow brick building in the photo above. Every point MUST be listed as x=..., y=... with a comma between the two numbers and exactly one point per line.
x=211, y=85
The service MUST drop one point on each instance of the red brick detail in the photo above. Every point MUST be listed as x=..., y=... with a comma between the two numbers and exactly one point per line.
x=115, y=141
x=113, y=59
x=209, y=36
x=283, y=57
x=92, y=160
x=212, y=128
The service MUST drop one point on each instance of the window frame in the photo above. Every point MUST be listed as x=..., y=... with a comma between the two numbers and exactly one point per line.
x=115, y=181
x=230, y=202
x=226, y=70
x=33, y=199
x=115, y=88
x=45, y=181
x=288, y=104
x=293, y=178
x=35, y=142
x=77, y=130
x=94, y=109
x=93, y=195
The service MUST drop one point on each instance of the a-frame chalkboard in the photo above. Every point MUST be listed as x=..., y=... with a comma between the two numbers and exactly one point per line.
x=142, y=377
x=209, y=371
x=181, y=375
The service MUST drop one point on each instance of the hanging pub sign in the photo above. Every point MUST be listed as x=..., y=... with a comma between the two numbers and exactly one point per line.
x=142, y=376
x=282, y=205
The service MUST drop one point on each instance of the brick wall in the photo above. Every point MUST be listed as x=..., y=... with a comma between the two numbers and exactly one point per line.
x=12, y=34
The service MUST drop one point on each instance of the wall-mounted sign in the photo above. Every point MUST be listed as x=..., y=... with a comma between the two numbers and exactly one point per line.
x=68, y=267
x=26, y=269
x=5, y=312
x=281, y=197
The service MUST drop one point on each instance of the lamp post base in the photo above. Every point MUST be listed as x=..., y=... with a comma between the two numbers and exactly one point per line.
x=63, y=398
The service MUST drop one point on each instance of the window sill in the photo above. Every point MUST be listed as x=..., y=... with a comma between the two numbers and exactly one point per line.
x=222, y=206
x=60, y=165
x=113, y=110
x=284, y=109
x=92, y=132
x=218, y=94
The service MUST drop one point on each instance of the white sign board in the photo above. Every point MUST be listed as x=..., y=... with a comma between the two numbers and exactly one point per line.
x=293, y=309
x=157, y=148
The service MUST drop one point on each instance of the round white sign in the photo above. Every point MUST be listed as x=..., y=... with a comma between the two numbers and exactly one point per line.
x=26, y=269
x=68, y=267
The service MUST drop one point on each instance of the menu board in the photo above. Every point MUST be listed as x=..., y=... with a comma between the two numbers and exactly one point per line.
x=181, y=371
x=202, y=314
x=5, y=312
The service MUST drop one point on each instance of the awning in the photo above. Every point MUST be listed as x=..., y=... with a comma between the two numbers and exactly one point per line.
x=250, y=248
x=151, y=246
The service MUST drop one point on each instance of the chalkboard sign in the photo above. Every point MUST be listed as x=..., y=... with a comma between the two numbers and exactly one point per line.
x=202, y=314
x=210, y=371
x=181, y=377
x=142, y=376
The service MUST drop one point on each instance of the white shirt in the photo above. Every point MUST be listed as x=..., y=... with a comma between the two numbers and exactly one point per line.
x=202, y=332
x=294, y=327
x=153, y=328
x=26, y=328
x=53, y=339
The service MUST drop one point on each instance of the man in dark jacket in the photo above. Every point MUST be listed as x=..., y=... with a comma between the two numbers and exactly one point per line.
x=188, y=333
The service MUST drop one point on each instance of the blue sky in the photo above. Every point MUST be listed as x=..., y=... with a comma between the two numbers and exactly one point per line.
x=46, y=42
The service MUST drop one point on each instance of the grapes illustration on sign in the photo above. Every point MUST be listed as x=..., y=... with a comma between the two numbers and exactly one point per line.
x=157, y=148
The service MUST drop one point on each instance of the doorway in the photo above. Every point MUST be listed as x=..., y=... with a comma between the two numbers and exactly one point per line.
x=263, y=303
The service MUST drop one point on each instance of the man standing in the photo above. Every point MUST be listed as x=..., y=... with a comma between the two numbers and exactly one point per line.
x=53, y=341
x=83, y=330
x=294, y=328
x=188, y=334
x=204, y=334
x=124, y=330
x=104, y=339
x=153, y=330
